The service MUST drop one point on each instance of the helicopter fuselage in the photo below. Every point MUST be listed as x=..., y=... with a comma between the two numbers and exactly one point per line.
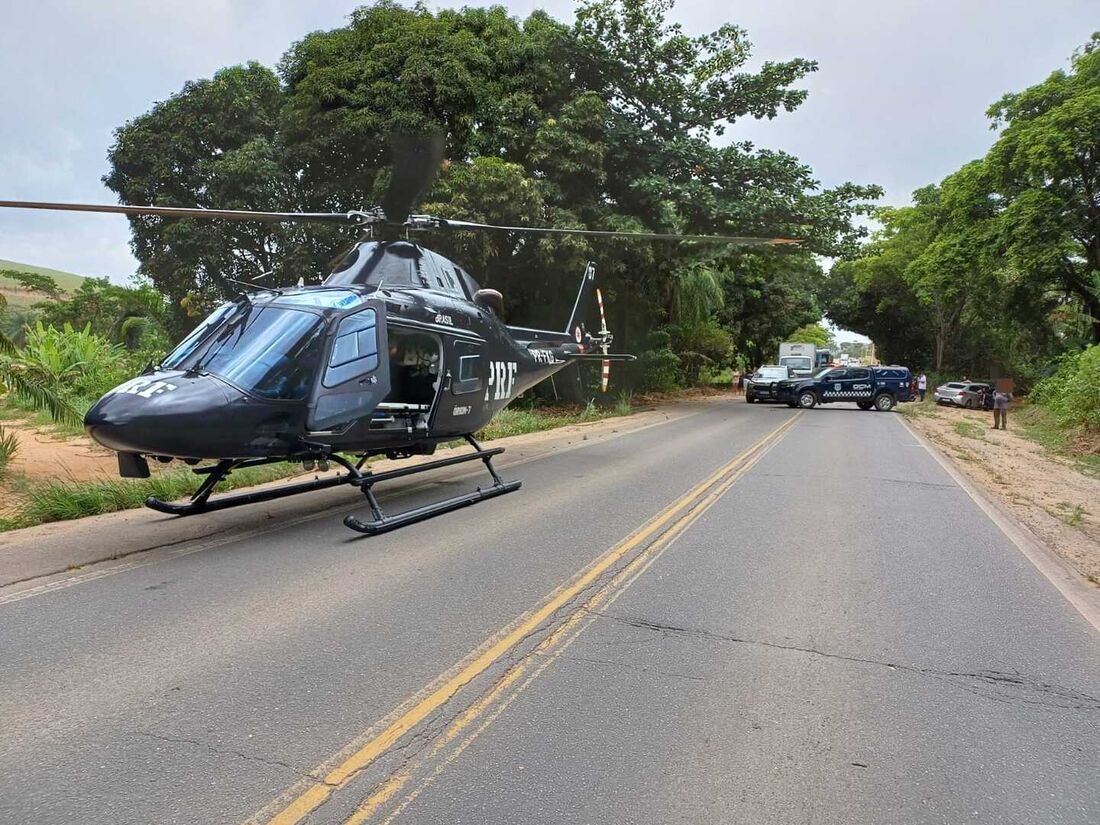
x=315, y=370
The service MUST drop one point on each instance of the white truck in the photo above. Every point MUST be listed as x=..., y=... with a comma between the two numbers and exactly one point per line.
x=800, y=357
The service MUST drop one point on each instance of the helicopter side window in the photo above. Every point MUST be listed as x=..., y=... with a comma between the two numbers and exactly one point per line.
x=355, y=351
x=469, y=368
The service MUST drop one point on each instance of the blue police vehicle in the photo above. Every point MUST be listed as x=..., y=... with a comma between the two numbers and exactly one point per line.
x=879, y=388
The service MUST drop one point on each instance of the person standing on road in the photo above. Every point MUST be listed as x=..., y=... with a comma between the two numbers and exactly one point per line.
x=1000, y=409
x=737, y=382
x=922, y=385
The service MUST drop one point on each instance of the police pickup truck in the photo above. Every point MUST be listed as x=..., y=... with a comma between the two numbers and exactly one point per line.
x=880, y=388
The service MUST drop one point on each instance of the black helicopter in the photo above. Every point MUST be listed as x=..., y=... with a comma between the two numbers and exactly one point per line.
x=397, y=351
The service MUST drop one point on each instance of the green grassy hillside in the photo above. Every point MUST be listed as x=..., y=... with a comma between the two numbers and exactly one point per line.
x=17, y=295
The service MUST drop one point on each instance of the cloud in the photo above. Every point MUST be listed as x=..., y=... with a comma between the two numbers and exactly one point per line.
x=41, y=161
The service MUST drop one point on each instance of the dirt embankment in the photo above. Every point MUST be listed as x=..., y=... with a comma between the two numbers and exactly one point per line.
x=1048, y=494
x=74, y=458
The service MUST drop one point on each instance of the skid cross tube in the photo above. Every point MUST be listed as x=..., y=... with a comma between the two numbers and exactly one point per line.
x=200, y=500
x=381, y=523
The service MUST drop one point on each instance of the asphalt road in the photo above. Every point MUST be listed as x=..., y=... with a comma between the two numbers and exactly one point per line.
x=748, y=614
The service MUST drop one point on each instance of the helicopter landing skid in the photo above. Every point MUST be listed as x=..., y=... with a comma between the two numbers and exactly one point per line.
x=200, y=501
x=381, y=523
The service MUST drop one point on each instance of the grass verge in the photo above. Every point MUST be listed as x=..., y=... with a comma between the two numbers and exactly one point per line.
x=917, y=409
x=1040, y=425
x=970, y=429
x=518, y=421
x=55, y=500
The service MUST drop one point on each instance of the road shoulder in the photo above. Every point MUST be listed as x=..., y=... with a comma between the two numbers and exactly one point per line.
x=1058, y=560
x=59, y=548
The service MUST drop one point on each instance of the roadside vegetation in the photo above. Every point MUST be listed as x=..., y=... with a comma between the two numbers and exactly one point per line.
x=75, y=348
x=47, y=500
x=519, y=420
x=1062, y=412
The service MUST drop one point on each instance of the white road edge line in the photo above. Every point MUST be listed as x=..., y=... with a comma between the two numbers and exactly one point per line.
x=1058, y=571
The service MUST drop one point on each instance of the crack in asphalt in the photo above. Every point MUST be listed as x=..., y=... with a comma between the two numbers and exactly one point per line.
x=641, y=668
x=1049, y=694
x=182, y=740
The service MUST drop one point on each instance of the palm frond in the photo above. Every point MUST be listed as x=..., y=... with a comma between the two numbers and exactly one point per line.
x=39, y=395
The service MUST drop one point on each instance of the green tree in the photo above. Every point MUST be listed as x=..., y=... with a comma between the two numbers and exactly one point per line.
x=767, y=297
x=129, y=315
x=33, y=281
x=610, y=123
x=869, y=294
x=812, y=334
x=1046, y=169
x=215, y=143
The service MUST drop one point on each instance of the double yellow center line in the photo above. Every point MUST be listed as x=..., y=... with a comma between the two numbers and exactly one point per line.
x=666, y=525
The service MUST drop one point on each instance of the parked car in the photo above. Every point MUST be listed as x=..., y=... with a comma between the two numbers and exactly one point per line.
x=761, y=386
x=959, y=394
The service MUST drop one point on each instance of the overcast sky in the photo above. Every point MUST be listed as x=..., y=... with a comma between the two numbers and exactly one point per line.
x=899, y=98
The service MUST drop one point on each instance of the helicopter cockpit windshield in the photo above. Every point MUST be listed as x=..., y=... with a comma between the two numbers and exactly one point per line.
x=268, y=351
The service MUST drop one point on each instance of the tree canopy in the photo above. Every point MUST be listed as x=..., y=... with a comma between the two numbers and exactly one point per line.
x=619, y=121
x=997, y=268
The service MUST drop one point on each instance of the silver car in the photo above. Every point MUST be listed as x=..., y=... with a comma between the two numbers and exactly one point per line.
x=961, y=394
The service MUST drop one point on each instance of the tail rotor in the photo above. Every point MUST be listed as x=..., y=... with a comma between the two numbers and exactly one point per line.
x=604, y=342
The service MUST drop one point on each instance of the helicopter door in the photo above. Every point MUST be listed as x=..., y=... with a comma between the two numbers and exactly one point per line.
x=355, y=374
x=466, y=370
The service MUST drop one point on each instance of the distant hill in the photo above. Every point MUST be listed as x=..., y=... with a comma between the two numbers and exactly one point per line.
x=17, y=295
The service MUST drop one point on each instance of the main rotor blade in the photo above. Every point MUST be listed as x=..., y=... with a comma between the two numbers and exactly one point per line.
x=416, y=160
x=352, y=218
x=447, y=223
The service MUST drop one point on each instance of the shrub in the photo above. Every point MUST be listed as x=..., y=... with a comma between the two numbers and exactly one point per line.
x=701, y=345
x=60, y=371
x=77, y=363
x=130, y=315
x=659, y=370
x=14, y=321
x=1072, y=393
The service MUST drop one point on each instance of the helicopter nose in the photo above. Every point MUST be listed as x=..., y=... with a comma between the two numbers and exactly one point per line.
x=158, y=414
